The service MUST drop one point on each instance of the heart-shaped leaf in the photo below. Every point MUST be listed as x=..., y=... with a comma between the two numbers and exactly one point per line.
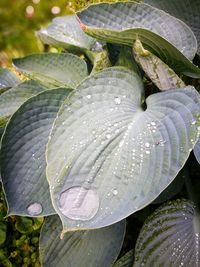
x=8, y=79
x=66, y=32
x=12, y=99
x=186, y=10
x=170, y=237
x=197, y=151
x=23, y=154
x=53, y=69
x=103, y=146
x=162, y=34
x=97, y=248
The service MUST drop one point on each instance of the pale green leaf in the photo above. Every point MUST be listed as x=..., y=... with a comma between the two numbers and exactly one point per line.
x=66, y=32
x=186, y=10
x=23, y=154
x=170, y=237
x=95, y=248
x=103, y=146
x=54, y=69
x=8, y=78
x=12, y=99
x=162, y=34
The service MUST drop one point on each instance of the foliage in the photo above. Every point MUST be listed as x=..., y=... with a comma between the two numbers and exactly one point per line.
x=90, y=142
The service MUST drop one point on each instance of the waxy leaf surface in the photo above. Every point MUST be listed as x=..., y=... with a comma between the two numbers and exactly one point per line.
x=8, y=79
x=23, y=154
x=108, y=157
x=99, y=247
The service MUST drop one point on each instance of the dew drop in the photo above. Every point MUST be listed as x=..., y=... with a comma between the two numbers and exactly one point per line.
x=193, y=122
x=88, y=96
x=108, y=136
x=78, y=203
x=115, y=192
x=153, y=123
x=147, y=152
x=34, y=209
x=147, y=144
x=117, y=101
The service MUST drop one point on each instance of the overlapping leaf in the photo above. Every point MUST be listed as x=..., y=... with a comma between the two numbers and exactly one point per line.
x=103, y=146
x=53, y=69
x=12, y=99
x=126, y=260
x=97, y=248
x=164, y=35
x=170, y=237
x=8, y=79
x=66, y=32
x=186, y=10
x=22, y=154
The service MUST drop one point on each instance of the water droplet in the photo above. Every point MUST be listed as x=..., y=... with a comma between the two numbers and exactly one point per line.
x=108, y=136
x=147, y=152
x=88, y=96
x=153, y=123
x=78, y=203
x=34, y=209
x=193, y=122
x=147, y=144
x=117, y=101
x=115, y=192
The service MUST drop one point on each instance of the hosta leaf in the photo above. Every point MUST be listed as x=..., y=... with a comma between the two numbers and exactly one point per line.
x=103, y=146
x=126, y=260
x=12, y=99
x=160, y=74
x=97, y=248
x=66, y=32
x=164, y=35
x=170, y=237
x=186, y=10
x=197, y=151
x=53, y=69
x=22, y=154
x=8, y=79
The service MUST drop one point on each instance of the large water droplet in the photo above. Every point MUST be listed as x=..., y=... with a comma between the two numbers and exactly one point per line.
x=78, y=203
x=147, y=144
x=34, y=209
x=115, y=192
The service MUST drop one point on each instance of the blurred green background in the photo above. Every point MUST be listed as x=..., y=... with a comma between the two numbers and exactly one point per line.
x=21, y=18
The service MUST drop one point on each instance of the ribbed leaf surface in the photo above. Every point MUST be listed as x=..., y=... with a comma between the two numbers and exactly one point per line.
x=197, y=151
x=97, y=248
x=164, y=35
x=170, y=237
x=8, y=79
x=53, y=69
x=23, y=154
x=103, y=146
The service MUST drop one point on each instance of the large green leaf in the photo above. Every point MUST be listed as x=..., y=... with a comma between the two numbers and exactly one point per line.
x=66, y=32
x=170, y=237
x=23, y=154
x=97, y=248
x=8, y=79
x=54, y=69
x=103, y=146
x=164, y=35
x=12, y=99
x=186, y=10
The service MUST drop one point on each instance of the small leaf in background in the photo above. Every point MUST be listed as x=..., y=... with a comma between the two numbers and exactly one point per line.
x=99, y=247
x=197, y=151
x=160, y=74
x=8, y=79
x=12, y=99
x=53, y=69
x=167, y=37
x=185, y=10
x=23, y=154
x=103, y=145
x=170, y=237
x=126, y=260
x=66, y=32
x=3, y=232
x=24, y=225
